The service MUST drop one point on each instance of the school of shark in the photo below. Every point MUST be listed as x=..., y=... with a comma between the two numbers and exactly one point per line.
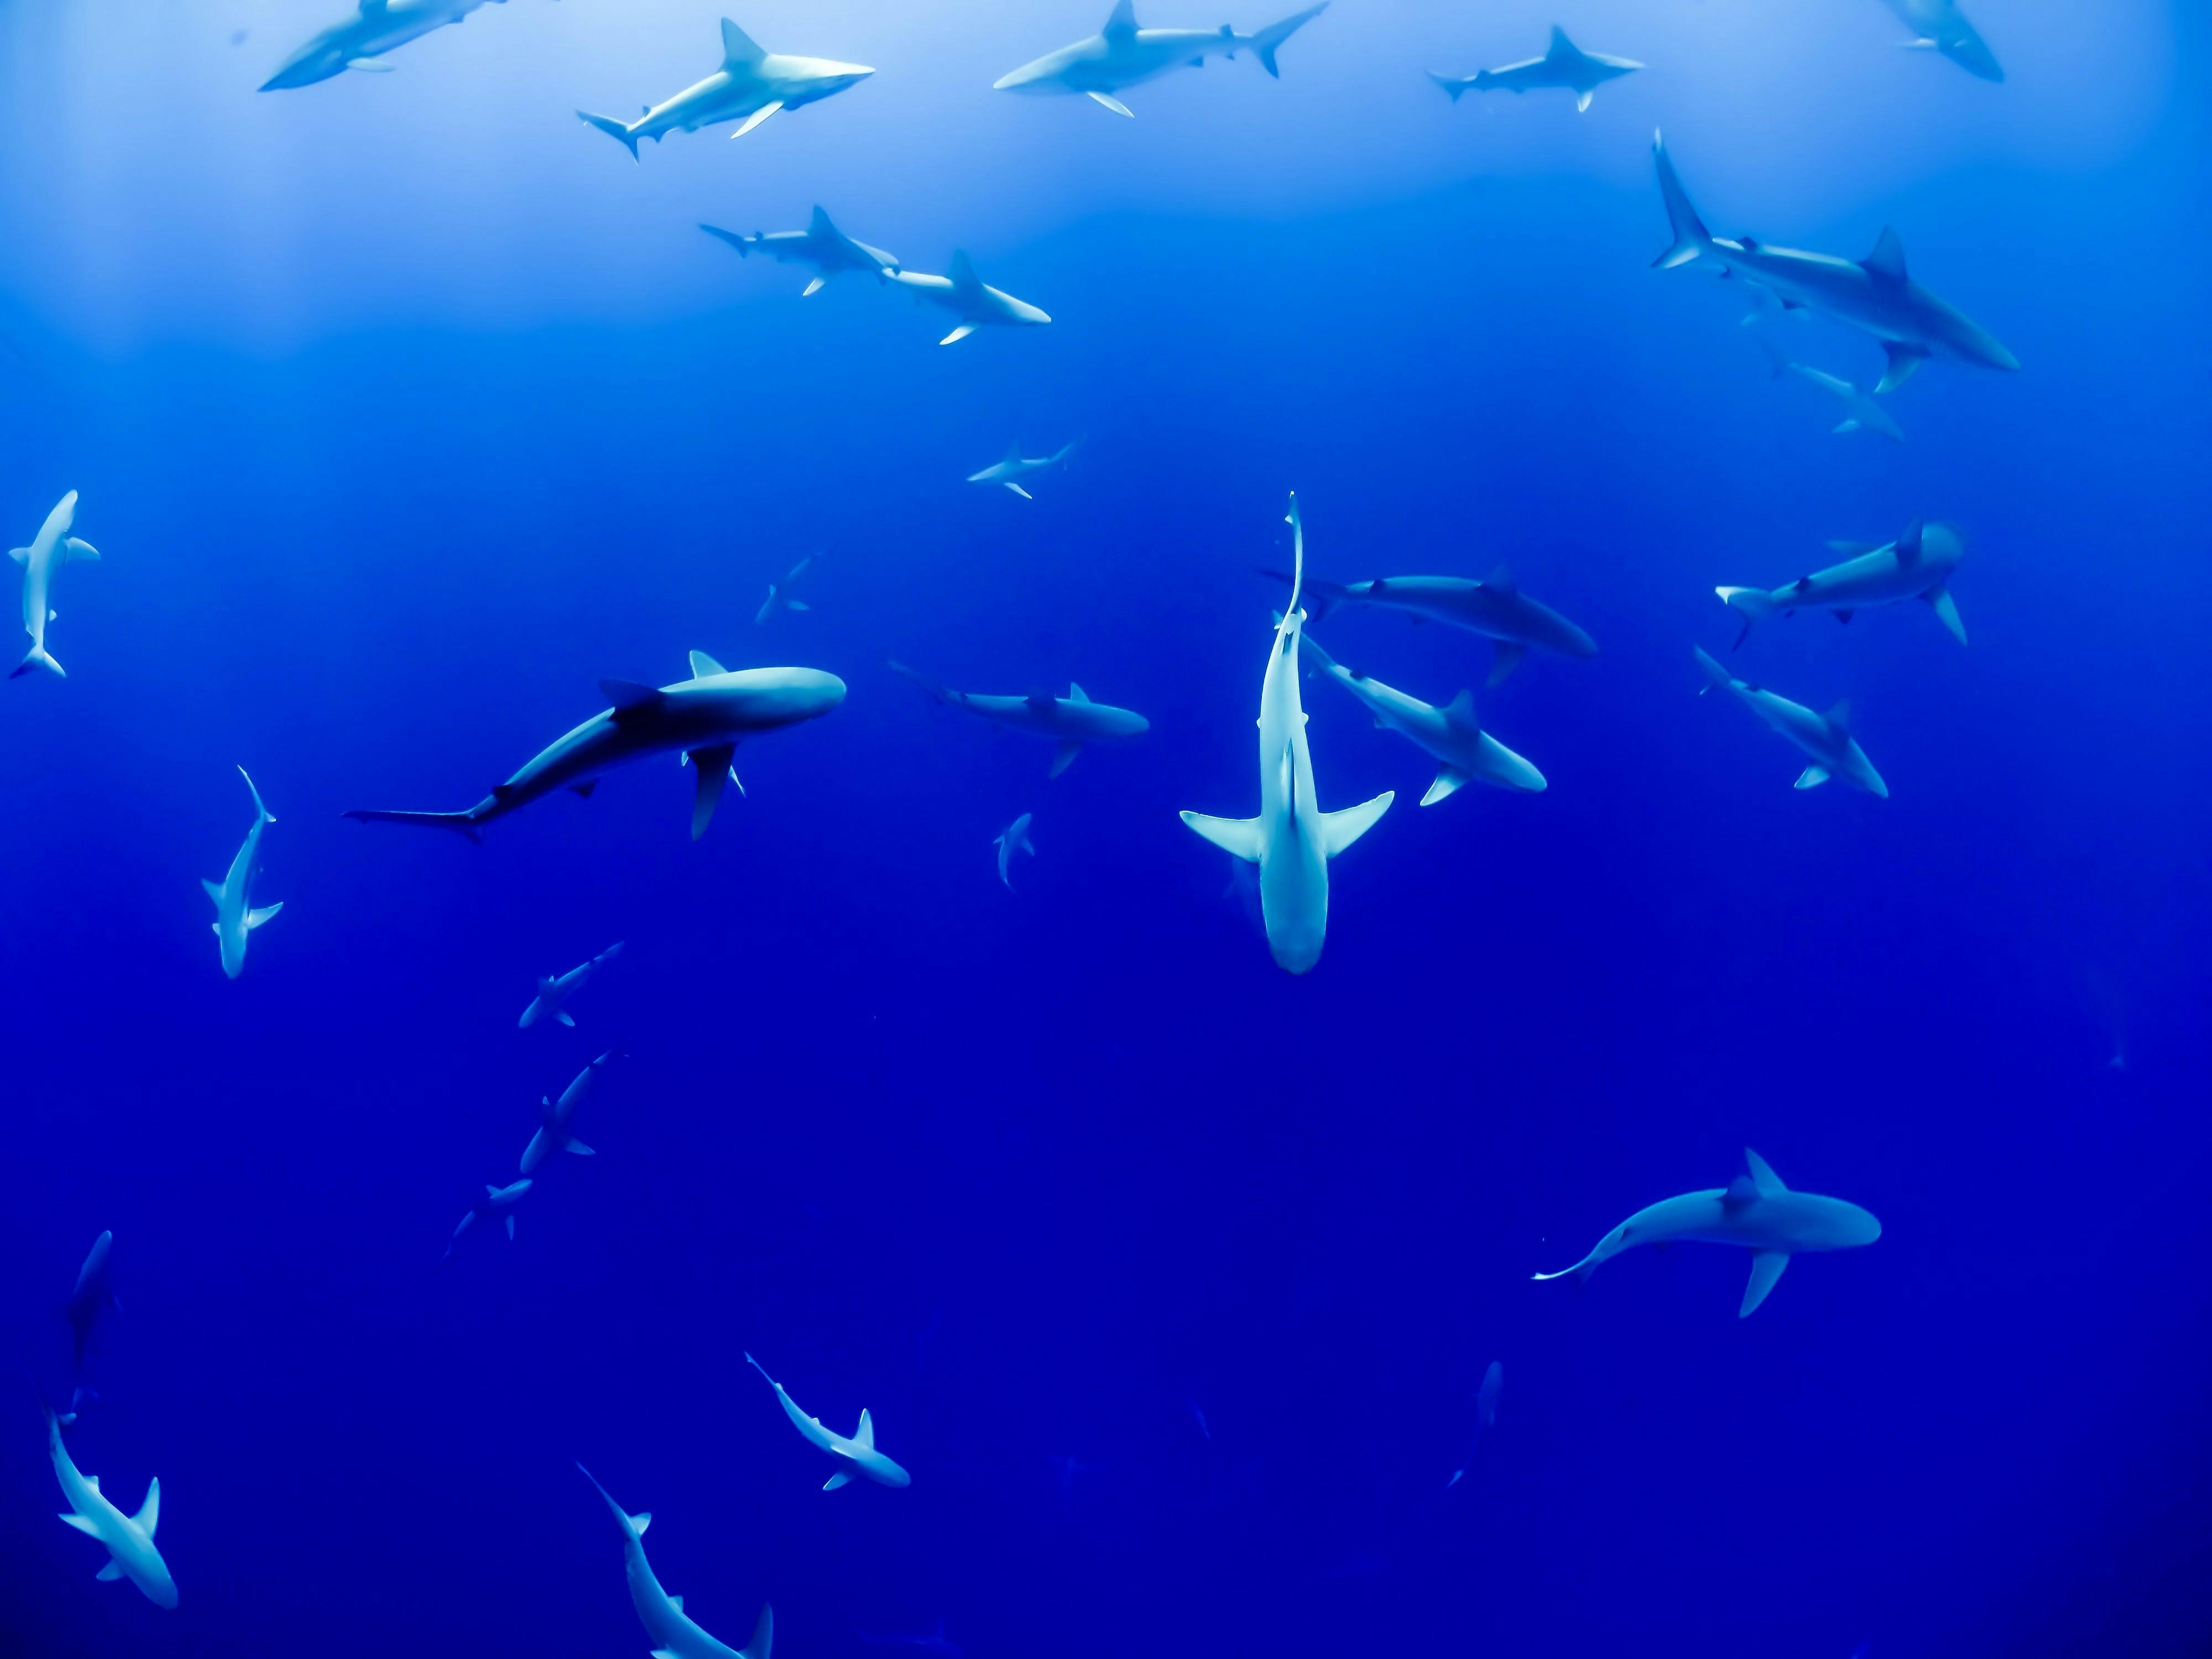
x=1286, y=829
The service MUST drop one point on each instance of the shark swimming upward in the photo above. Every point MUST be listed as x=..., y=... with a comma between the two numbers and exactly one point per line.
x=128, y=1538
x=853, y=1454
x=1121, y=54
x=235, y=916
x=51, y=548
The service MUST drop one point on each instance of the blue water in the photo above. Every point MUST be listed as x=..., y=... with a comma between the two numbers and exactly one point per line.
x=405, y=409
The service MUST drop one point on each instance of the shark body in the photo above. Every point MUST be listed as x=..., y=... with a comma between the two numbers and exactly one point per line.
x=751, y=85
x=51, y=548
x=1496, y=609
x=1826, y=740
x=1122, y=55
x=1070, y=722
x=1452, y=735
x=129, y=1539
x=556, y=1124
x=1918, y=565
x=1564, y=65
x=235, y=915
x=1011, y=469
x=1939, y=26
x=673, y=1633
x=971, y=300
x=554, y=990
x=855, y=1454
x=1861, y=411
x=822, y=248
x=1014, y=838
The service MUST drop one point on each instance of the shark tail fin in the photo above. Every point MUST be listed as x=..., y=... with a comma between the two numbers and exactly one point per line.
x=613, y=128
x=460, y=821
x=38, y=657
x=1751, y=603
x=1267, y=41
x=264, y=814
x=1582, y=1270
x=1691, y=236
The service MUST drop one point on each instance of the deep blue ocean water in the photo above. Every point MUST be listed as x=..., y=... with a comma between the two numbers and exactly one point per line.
x=405, y=409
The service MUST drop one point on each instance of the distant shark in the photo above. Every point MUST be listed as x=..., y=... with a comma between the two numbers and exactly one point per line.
x=556, y=1126
x=1825, y=739
x=1486, y=1416
x=672, y=1634
x=856, y=1455
x=974, y=301
x=1014, y=838
x=826, y=250
x=1939, y=25
x=1291, y=840
x=51, y=547
x=1121, y=54
x=554, y=990
x=1918, y=565
x=128, y=1538
x=1071, y=720
x=705, y=717
x=1452, y=735
x=1563, y=65
x=235, y=916
x=92, y=1296
x=1755, y=1210
x=496, y=1206
x=1875, y=294
x=1497, y=609
x=779, y=597
x=751, y=85
x=360, y=40
x=1860, y=410
x=1013, y=467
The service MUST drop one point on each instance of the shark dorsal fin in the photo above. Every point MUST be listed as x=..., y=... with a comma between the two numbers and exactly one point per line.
x=1561, y=46
x=961, y=273
x=702, y=665
x=628, y=696
x=819, y=223
x=1908, y=546
x=866, y=1434
x=149, y=1512
x=1768, y=1183
x=1740, y=1191
x=1839, y=717
x=1014, y=451
x=677, y=1602
x=1499, y=581
x=1122, y=20
x=1461, y=711
x=739, y=50
x=1888, y=259
x=1075, y=693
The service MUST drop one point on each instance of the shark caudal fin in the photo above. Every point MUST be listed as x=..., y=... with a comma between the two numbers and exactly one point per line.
x=1751, y=603
x=1582, y=1269
x=614, y=129
x=635, y=1525
x=263, y=812
x=1266, y=42
x=38, y=657
x=463, y=822
x=1691, y=236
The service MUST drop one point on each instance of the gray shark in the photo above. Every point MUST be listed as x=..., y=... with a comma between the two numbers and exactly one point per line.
x=853, y=1455
x=1014, y=466
x=556, y=1126
x=1497, y=609
x=235, y=916
x=497, y=1205
x=1014, y=838
x=974, y=301
x=1563, y=65
x=1071, y=720
x=751, y=85
x=1825, y=739
x=1873, y=294
x=1917, y=565
x=1939, y=25
x=1862, y=412
x=673, y=1633
x=359, y=42
x=1486, y=1416
x=779, y=593
x=128, y=1538
x=53, y=546
x=1121, y=54
x=1755, y=1210
x=705, y=717
x=1453, y=735
x=92, y=1295
x=824, y=248
x=554, y=990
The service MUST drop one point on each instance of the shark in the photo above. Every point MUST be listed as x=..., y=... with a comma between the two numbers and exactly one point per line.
x=1496, y=609
x=52, y=546
x=129, y=1539
x=1452, y=735
x=1291, y=840
x=92, y=1295
x=1013, y=467
x=1564, y=65
x=556, y=1120
x=1486, y=1416
x=1862, y=412
x=1122, y=55
x=1014, y=838
x=496, y=1206
x=1830, y=749
x=779, y=593
x=359, y=41
x=1939, y=26
x=670, y=1631
x=972, y=301
x=1755, y=1211
x=824, y=248
x=854, y=1456
x=1070, y=722
x=554, y=990
x=751, y=85
x=235, y=914
x=1918, y=565
x=703, y=718
x=1875, y=294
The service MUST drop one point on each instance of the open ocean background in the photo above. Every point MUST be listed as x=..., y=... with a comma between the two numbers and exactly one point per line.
x=405, y=409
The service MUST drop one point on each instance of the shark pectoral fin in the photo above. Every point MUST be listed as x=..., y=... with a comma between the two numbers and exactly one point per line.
x=626, y=697
x=1448, y=782
x=1813, y=777
x=1018, y=491
x=265, y=914
x=510, y=1230
x=1766, y=1272
x=1063, y=758
x=1340, y=829
x=111, y=1572
x=711, y=766
x=756, y=118
x=20, y=555
x=1849, y=423
x=1507, y=659
x=566, y=1017
x=667, y=1653
x=581, y=1149
x=83, y=552
x=369, y=65
x=958, y=334
x=1237, y=836
x=814, y=287
x=83, y=1524
x=843, y=1476
x=1946, y=612
x=1106, y=101
x=1583, y=102
x=1903, y=360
